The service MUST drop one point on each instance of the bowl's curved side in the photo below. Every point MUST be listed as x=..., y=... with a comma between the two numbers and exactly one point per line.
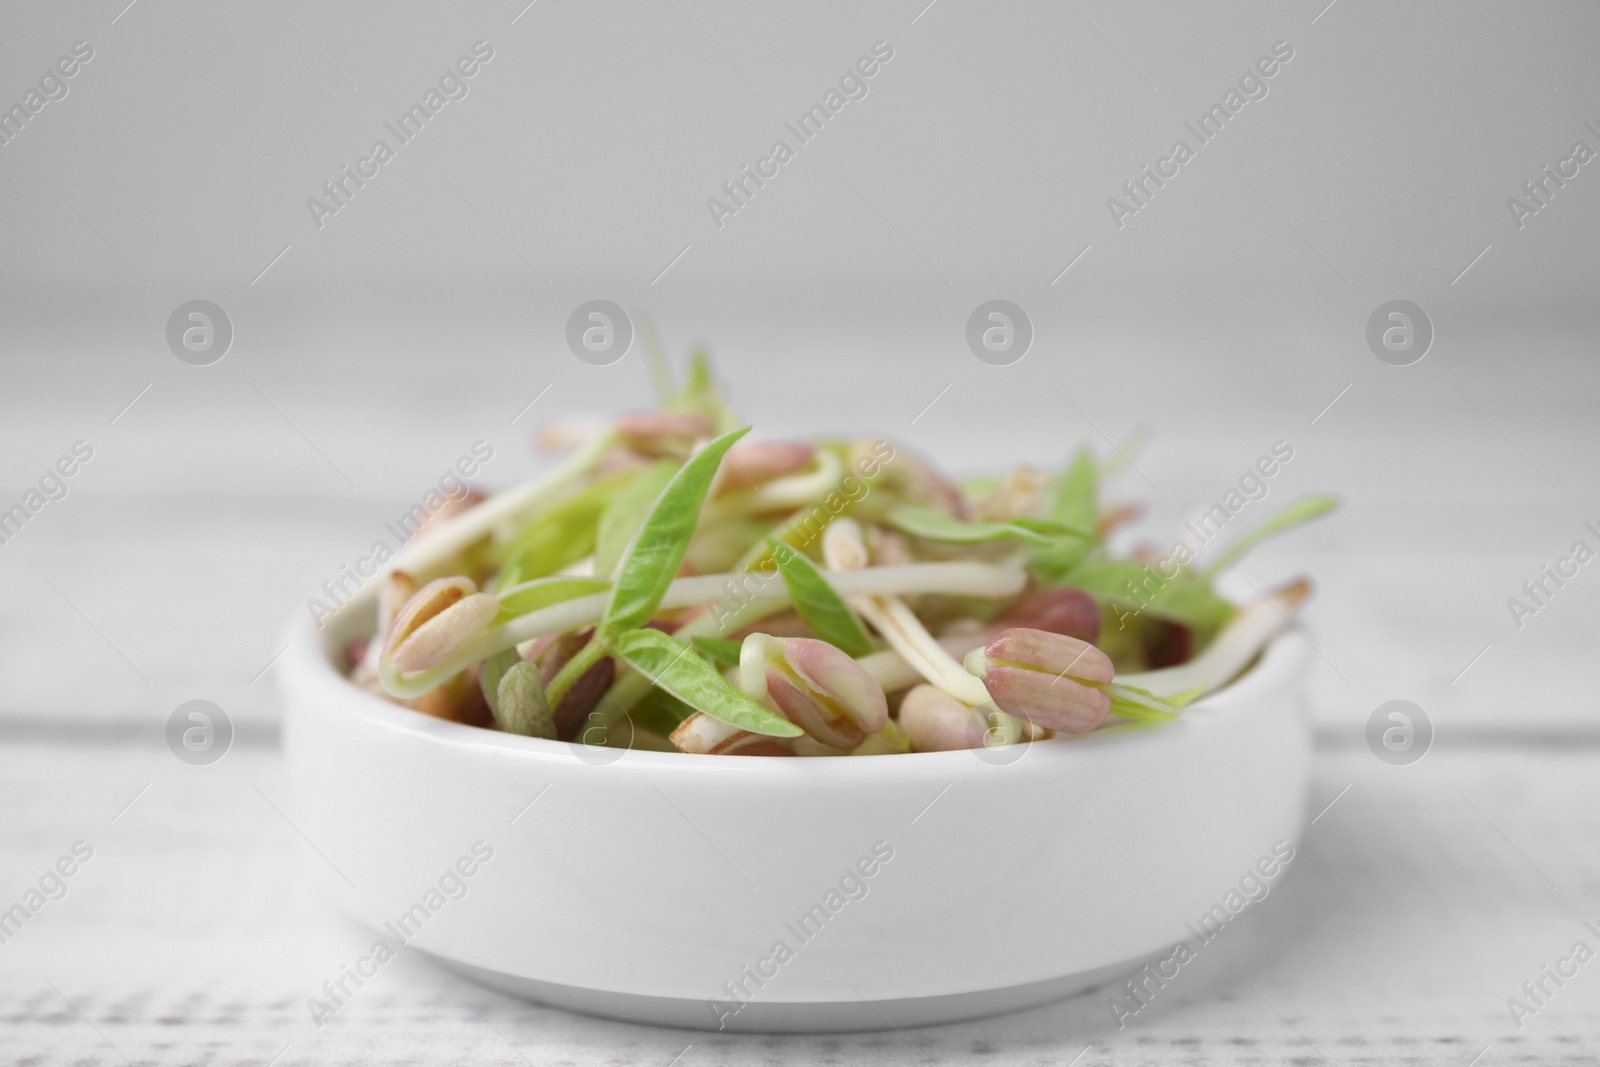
x=702, y=882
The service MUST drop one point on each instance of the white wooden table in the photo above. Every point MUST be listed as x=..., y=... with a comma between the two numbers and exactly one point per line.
x=1420, y=901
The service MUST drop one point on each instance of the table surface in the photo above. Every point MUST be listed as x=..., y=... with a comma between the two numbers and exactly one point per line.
x=1423, y=898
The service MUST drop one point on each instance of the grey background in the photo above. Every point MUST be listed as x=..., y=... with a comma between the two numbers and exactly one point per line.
x=368, y=355
x=1224, y=316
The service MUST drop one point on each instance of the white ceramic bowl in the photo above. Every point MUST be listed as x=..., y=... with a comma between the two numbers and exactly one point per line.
x=638, y=883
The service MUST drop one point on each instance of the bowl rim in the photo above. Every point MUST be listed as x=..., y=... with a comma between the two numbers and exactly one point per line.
x=309, y=663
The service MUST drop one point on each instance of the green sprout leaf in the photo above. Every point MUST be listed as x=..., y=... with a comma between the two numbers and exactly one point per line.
x=1180, y=700
x=1076, y=503
x=1122, y=457
x=560, y=536
x=542, y=592
x=823, y=609
x=1303, y=510
x=653, y=558
x=719, y=650
x=659, y=712
x=677, y=670
x=890, y=739
x=701, y=395
x=626, y=512
x=660, y=373
x=1181, y=598
x=1131, y=702
x=937, y=526
x=1076, y=507
x=699, y=384
x=490, y=673
x=520, y=704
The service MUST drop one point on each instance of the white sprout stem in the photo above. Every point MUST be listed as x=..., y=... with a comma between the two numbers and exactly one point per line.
x=790, y=491
x=965, y=579
x=707, y=734
x=899, y=625
x=1230, y=652
x=1003, y=729
x=845, y=550
x=961, y=579
x=752, y=669
x=797, y=521
x=583, y=568
x=893, y=672
x=431, y=551
x=1120, y=691
x=1245, y=635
